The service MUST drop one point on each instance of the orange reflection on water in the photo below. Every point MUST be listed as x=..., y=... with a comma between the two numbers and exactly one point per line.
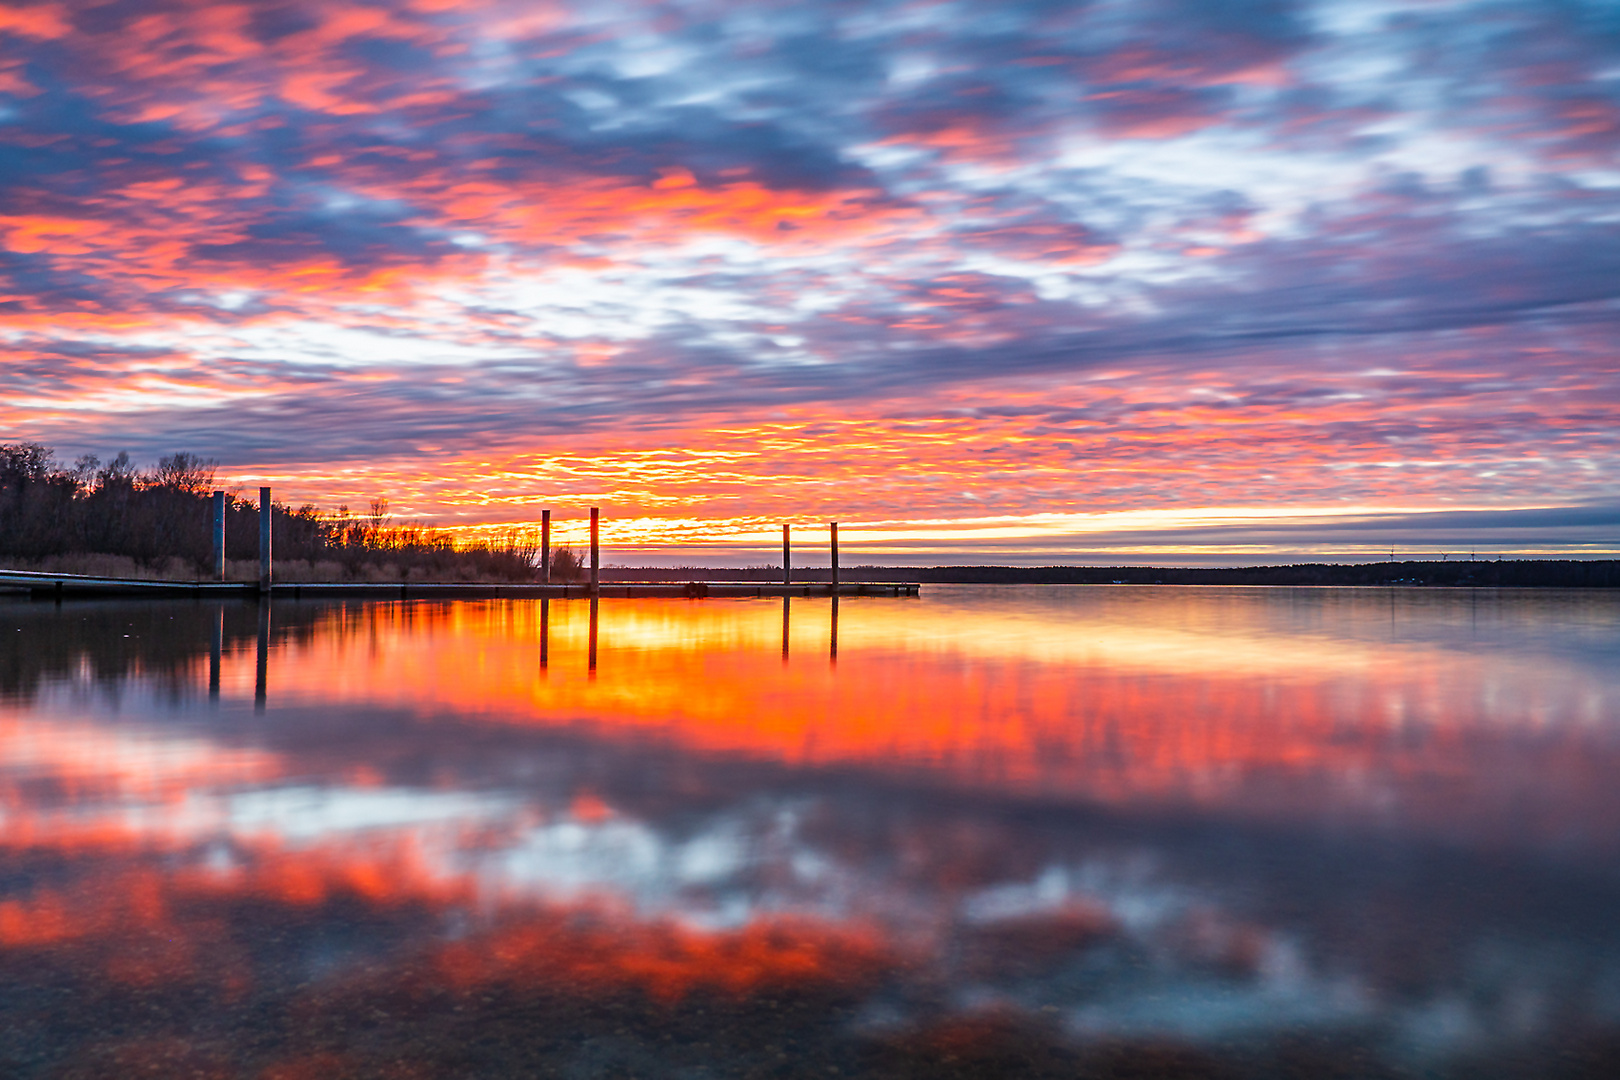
x=667, y=960
x=1209, y=697
x=144, y=925
x=438, y=816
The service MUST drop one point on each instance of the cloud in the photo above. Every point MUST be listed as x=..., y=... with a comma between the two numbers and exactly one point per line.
x=497, y=228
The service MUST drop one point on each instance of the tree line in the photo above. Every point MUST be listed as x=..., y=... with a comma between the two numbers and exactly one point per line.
x=156, y=516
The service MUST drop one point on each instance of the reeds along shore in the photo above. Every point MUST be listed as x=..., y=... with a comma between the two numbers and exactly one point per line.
x=113, y=519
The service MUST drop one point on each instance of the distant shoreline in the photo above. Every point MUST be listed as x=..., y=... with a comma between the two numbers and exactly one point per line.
x=1506, y=573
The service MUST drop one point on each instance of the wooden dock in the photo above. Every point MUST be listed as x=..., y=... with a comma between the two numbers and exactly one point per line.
x=62, y=586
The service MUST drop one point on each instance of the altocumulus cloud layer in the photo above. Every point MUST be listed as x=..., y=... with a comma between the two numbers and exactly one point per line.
x=971, y=273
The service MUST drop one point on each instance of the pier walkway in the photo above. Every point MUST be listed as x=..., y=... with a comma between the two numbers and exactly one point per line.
x=75, y=585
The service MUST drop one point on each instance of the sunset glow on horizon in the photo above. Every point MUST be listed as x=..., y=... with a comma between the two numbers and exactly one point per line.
x=1116, y=281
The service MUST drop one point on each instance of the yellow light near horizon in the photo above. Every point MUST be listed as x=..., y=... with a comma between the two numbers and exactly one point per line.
x=888, y=536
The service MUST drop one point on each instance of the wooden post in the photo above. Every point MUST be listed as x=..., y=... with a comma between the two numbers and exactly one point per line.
x=596, y=562
x=834, y=557
x=787, y=558
x=265, y=514
x=545, y=547
x=219, y=536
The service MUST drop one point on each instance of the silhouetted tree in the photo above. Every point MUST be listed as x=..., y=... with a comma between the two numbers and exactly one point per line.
x=567, y=565
x=184, y=472
x=114, y=509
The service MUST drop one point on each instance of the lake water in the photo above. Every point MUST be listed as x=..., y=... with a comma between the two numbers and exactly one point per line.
x=984, y=832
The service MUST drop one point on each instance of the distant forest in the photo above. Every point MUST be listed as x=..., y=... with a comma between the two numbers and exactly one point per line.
x=112, y=518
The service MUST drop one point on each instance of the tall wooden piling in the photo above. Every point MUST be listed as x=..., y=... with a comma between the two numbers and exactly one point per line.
x=545, y=547
x=596, y=561
x=787, y=558
x=219, y=536
x=834, y=525
x=265, y=514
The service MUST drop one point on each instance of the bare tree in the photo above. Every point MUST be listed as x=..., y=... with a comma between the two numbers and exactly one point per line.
x=117, y=473
x=25, y=462
x=566, y=564
x=184, y=472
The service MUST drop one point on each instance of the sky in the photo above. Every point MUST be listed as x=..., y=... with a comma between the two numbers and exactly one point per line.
x=1172, y=281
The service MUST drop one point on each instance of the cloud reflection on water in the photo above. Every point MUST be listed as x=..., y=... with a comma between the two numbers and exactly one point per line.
x=1385, y=818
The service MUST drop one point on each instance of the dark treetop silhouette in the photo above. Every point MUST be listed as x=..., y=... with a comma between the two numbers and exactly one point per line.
x=160, y=520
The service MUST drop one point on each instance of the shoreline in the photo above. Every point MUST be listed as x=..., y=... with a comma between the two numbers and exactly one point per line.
x=698, y=582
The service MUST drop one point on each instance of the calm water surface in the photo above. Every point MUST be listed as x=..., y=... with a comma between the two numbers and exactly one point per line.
x=1063, y=831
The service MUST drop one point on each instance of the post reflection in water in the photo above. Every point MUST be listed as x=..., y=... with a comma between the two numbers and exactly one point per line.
x=216, y=645
x=261, y=674
x=591, y=647
x=787, y=602
x=832, y=633
x=545, y=633
x=1009, y=832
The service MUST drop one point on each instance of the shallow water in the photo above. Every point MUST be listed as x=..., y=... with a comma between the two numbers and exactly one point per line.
x=984, y=832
